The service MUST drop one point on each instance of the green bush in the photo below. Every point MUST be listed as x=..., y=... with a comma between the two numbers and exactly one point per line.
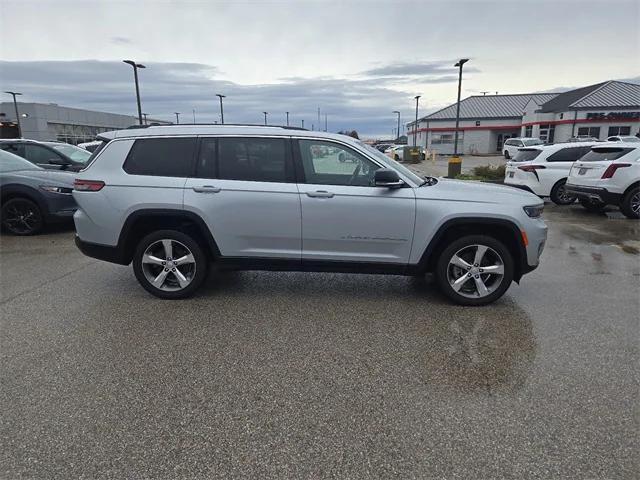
x=488, y=172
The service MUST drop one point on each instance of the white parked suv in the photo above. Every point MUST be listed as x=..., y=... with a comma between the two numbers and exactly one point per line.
x=172, y=199
x=511, y=145
x=608, y=175
x=544, y=169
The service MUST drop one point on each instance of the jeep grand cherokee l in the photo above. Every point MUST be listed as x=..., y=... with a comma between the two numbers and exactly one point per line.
x=173, y=199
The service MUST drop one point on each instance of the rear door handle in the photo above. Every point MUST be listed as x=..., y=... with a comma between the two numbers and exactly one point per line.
x=207, y=189
x=320, y=194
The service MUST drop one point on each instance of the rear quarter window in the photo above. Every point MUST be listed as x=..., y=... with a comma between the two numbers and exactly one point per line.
x=526, y=154
x=161, y=157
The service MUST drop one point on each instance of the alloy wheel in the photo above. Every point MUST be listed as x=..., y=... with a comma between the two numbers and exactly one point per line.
x=475, y=271
x=21, y=218
x=168, y=265
x=635, y=204
x=564, y=196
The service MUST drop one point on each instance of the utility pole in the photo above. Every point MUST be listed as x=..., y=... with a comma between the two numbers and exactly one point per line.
x=221, y=109
x=194, y=116
x=136, y=66
x=287, y=119
x=302, y=123
x=15, y=106
x=265, y=117
x=455, y=164
x=177, y=118
x=415, y=128
x=145, y=117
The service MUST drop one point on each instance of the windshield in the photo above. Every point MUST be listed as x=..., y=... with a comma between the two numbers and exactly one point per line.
x=76, y=154
x=392, y=163
x=11, y=163
x=526, y=154
x=604, y=154
x=534, y=141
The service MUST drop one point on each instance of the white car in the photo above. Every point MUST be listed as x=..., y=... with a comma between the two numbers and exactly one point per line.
x=623, y=138
x=396, y=152
x=543, y=169
x=511, y=146
x=608, y=175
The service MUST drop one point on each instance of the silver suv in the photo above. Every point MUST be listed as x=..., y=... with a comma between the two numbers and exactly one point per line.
x=173, y=199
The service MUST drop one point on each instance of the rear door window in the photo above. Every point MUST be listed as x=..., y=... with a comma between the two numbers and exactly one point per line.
x=603, y=154
x=249, y=159
x=526, y=154
x=161, y=157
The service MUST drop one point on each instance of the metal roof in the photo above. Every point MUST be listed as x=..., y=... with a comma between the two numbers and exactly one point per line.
x=611, y=94
x=491, y=106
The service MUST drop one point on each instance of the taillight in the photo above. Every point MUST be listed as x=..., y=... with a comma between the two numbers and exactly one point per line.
x=88, y=185
x=531, y=168
x=611, y=169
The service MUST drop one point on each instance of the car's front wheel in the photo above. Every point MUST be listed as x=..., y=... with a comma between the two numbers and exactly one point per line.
x=630, y=205
x=475, y=270
x=506, y=155
x=559, y=194
x=21, y=216
x=170, y=264
x=592, y=205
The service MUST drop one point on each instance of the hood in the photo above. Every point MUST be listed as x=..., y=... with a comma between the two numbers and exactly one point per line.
x=469, y=190
x=52, y=177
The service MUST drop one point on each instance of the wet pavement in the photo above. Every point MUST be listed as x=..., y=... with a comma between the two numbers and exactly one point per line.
x=294, y=375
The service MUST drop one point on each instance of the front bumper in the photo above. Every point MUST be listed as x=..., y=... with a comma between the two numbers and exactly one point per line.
x=597, y=193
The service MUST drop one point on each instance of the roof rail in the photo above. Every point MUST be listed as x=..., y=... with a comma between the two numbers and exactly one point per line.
x=216, y=125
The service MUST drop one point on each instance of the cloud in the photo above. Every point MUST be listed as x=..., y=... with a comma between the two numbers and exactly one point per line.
x=364, y=104
x=419, y=69
x=121, y=40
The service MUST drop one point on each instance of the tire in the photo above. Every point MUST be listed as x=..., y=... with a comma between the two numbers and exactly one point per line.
x=496, y=256
x=506, y=155
x=559, y=195
x=593, y=206
x=630, y=205
x=192, y=270
x=21, y=216
x=396, y=158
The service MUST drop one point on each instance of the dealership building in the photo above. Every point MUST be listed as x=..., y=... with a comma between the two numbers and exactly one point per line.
x=49, y=121
x=486, y=121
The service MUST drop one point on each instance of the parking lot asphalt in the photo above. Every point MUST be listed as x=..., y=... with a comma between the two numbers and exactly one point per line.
x=304, y=375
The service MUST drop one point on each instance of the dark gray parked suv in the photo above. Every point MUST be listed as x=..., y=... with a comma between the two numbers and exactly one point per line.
x=50, y=155
x=32, y=197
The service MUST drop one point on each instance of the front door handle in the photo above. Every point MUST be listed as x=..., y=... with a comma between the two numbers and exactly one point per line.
x=320, y=194
x=207, y=189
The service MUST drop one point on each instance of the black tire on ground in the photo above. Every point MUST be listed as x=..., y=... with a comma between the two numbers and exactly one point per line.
x=21, y=216
x=559, y=196
x=630, y=205
x=594, y=206
x=396, y=158
x=200, y=258
x=442, y=269
x=506, y=155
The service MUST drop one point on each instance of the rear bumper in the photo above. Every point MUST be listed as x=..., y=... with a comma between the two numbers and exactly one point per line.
x=101, y=252
x=597, y=193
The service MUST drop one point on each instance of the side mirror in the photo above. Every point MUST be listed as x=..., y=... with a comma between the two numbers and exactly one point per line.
x=387, y=177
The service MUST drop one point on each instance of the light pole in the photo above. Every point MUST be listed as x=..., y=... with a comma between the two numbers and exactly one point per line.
x=221, y=108
x=265, y=117
x=177, y=114
x=136, y=66
x=15, y=106
x=396, y=111
x=455, y=164
x=325, y=122
x=415, y=128
x=145, y=117
x=287, y=118
x=302, y=122
x=194, y=116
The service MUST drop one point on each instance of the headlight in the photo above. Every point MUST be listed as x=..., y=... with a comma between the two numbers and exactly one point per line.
x=54, y=189
x=534, y=211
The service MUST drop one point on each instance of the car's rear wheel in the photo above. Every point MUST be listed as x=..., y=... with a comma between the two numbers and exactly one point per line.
x=21, y=216
x=559, y=194
x=475, y=270
x=630, y=205
x=170, y=264
x=592, y=205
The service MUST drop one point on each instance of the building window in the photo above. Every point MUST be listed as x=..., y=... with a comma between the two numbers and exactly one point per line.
x=547, y=132
x=619, y=131
x=446, y=138
x=528, y=131
x=561, y=116
x=477, y=123
x=589, y=132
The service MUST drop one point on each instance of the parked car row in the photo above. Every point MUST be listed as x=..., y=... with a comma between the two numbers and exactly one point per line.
x=511, y=146
x=596, y=174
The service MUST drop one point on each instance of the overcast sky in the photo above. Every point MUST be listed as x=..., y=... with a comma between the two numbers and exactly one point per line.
x=356, y=60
